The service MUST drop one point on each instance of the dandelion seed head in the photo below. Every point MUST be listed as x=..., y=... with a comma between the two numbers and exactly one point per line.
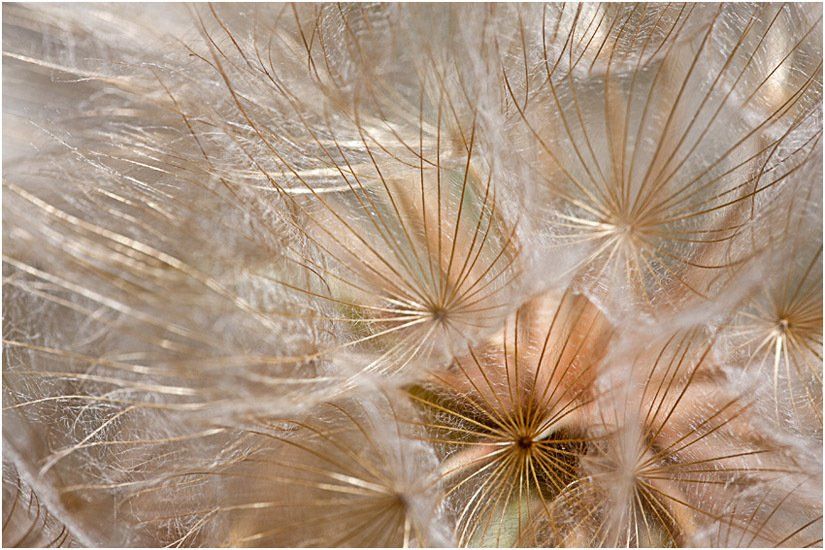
x=407, y=275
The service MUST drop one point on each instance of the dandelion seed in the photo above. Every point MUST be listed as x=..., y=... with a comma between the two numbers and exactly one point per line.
x=664, y=452
x=647, y=161
x=347, y=477
x=509, y=417
x=407, y=275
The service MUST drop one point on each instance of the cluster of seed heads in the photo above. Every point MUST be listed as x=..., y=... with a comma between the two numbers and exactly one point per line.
x=380, y=275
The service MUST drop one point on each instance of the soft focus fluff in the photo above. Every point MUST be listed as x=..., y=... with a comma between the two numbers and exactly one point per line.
x=412, y=275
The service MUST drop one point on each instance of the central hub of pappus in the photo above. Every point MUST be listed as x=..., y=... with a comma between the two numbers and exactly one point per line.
x=524, y=442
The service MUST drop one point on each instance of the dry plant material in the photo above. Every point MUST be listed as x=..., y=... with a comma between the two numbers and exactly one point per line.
x=412, y=275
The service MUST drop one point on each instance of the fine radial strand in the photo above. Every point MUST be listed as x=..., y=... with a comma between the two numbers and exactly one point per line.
x=26, y=521
x=656, y=159
x=407, y=275
x=777, y=331
x=415, y=251
x=670, y=437
x=347, y=477
x=509, y=417
x=771, y=519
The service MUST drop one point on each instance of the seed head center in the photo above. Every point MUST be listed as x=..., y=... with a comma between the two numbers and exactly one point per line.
x=524, y=442
x=438, y=312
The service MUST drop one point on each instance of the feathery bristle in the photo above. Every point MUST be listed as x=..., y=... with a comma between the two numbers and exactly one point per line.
x=412, y=275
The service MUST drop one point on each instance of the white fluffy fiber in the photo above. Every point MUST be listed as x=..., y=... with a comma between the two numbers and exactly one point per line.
x=408, y=274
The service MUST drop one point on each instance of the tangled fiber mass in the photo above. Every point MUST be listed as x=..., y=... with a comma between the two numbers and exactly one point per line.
x=412, y=275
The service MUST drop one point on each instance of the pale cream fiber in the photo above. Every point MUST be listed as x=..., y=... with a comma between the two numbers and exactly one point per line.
x=412, y=275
